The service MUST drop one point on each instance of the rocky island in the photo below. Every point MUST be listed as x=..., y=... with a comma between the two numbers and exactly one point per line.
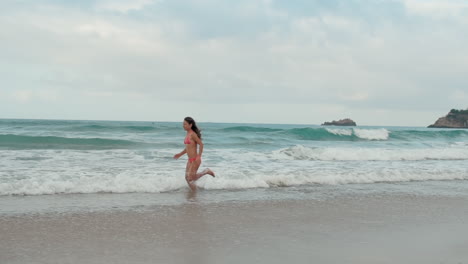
x=342, y=122
x=454, y=119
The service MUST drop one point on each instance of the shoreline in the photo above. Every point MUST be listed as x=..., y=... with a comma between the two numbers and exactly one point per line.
x=358, y=228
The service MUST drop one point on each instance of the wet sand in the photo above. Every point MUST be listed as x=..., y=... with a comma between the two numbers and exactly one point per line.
x=344, y=229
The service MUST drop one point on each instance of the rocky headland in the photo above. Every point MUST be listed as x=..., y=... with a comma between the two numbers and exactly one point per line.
x=342, y=122
x=454, y=119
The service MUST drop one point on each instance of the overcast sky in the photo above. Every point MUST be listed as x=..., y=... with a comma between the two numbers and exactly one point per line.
x=379, y=62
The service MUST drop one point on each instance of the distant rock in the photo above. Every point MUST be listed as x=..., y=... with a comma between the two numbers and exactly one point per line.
x=342, y=122
x=454, y=119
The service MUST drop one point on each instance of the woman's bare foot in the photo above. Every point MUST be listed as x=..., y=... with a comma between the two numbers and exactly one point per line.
x=210, y=172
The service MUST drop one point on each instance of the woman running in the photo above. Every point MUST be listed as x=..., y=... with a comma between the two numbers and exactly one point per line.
x=192, y=140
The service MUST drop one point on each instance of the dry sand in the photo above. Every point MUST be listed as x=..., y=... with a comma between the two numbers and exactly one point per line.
x=345, y=229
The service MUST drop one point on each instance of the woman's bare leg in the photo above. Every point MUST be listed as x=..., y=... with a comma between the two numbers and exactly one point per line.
x=194, y=168
x=188, y=177
x=205, y=172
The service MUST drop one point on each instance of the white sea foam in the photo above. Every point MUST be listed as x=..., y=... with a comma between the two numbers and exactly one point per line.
x=142, y=181
x=372, y=134
x=287, y=156
x=126, y=172
x=340, y=132
x=98, y=183
x=300, y=152
x=37, y=172
x=368, y=134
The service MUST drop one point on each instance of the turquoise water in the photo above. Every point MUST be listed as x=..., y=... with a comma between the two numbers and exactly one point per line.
x=60, y=157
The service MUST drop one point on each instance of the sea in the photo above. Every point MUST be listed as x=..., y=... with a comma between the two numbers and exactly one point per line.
x=67, y=165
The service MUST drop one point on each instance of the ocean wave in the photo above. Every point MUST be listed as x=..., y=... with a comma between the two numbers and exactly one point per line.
x=371, y=134
x=86, y=126
x=326, y=178
x=300, y=152
x=114, y=128
x=251, y=129
x=339, y=134
x=132, y=182
x=355, y=133
x=9, y=141
x=87, y=185
x=319, y=133
x=448, y=134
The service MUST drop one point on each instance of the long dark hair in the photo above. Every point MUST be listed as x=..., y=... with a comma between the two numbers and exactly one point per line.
x=194, y=126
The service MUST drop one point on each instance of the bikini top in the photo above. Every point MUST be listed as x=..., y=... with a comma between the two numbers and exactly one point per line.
x=187, y=138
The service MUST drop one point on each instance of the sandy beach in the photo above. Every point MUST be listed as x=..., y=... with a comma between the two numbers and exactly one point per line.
x=345, y=229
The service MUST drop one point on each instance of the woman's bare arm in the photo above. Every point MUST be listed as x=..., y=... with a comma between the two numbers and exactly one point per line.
x=178, y=155
x=199, y=142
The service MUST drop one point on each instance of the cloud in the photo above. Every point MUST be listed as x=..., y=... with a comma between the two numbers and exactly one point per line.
x=22, y=96
x=454, y=9
x=361, y=57
x=357, y=96
x=459, y=98
x=100, y=29
x=123, y=6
